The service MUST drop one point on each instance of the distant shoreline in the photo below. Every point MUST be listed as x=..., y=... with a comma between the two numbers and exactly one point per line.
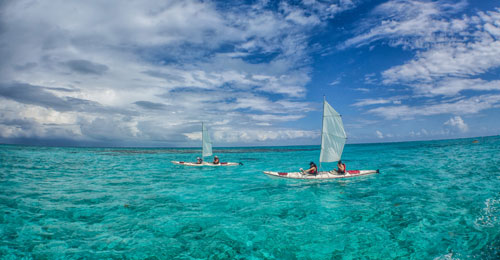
x=226, y=147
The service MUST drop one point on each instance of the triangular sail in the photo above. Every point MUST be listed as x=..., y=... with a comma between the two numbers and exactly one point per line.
x=206, y=142
x=333, y=136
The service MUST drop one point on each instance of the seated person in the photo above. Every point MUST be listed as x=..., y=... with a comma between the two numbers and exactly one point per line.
x=341, y=168
x=199, y=160
x=313, y=169
x=216, y=160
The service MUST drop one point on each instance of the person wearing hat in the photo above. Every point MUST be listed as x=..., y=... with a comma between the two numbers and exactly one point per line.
x=216, y=160
x=313, y=169
x=199, y=160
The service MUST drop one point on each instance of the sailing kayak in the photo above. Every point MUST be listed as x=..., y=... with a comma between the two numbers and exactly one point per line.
x=206, y=163
x=321, y=175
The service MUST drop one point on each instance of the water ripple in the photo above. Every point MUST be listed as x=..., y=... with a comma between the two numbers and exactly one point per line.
x=432, y=200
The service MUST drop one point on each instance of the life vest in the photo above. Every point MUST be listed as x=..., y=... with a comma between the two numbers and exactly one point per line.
x=340, y=171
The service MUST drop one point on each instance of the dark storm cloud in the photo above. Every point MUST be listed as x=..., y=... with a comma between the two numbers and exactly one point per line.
x=36, y=95
x=63, y=89
x=21, y=123
x=51, y=141
x=163, y=75
x=29, y=94
x=157, y=134
x=86, y=67
x=26, y=66
x=150, y=105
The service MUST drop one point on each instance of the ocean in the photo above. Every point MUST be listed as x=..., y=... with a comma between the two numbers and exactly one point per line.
x=431, y=200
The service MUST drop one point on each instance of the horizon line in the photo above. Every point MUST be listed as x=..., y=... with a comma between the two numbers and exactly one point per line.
x=197, y=147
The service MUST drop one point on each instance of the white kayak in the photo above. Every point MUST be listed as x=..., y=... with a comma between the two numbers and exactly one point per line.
x=206, y=163
x=321, y=175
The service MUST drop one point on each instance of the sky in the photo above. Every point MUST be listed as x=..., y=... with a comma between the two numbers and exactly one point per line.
x=147, y=73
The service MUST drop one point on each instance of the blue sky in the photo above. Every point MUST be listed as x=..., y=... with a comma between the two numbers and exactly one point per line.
x=146, y=73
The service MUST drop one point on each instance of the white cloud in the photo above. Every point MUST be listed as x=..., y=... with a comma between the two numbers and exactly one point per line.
x=458, y=123
x=448, y=67
x=196, y=136
x=453, y=86
x=408, y=23
x=362, y=90
x=360, y=123
x=228, y=135
x=370, y=78
x=325, y=9
x=156, y=71
x=370, y=101
x=462, y=106
x=379, y=134
x=452, y=60
x=453, y=48
x=275, y=118
x=420, y=133
x=379, y=101
x=28, y=121
x=334, y=82
x=453, y=54
x=298, y=16
x=263, y=104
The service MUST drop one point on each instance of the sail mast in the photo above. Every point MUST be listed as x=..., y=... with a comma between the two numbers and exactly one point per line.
x=322, y=122
x=202, y=146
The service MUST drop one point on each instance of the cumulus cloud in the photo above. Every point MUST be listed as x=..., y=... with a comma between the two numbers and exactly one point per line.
x=150, y=105
x=335, y=82
x=370, y=101
x=262, y=135
x=449, y=67
x=408, y=23
x=458, y=123
x=452, y=60
x=419, y=133
x=461, y=106
x=86, y=67
x=453, y=86
x=225, y=134
x=451, y=56
x=329, y=9
x=378, y=101
x=149, y=71
x=36, y=95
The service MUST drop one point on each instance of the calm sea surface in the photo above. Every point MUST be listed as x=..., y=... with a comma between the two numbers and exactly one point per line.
x=432, y=200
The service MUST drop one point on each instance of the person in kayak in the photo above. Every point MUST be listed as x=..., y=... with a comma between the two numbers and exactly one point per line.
x=341, y=168
x=313, y=169
x=216, y=160
x=199, y=160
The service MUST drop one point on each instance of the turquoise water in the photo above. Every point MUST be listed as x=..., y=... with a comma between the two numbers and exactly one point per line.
x=432, y=200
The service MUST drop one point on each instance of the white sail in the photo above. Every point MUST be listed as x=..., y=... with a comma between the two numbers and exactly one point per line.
x=333, y=136
x=206, y=142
